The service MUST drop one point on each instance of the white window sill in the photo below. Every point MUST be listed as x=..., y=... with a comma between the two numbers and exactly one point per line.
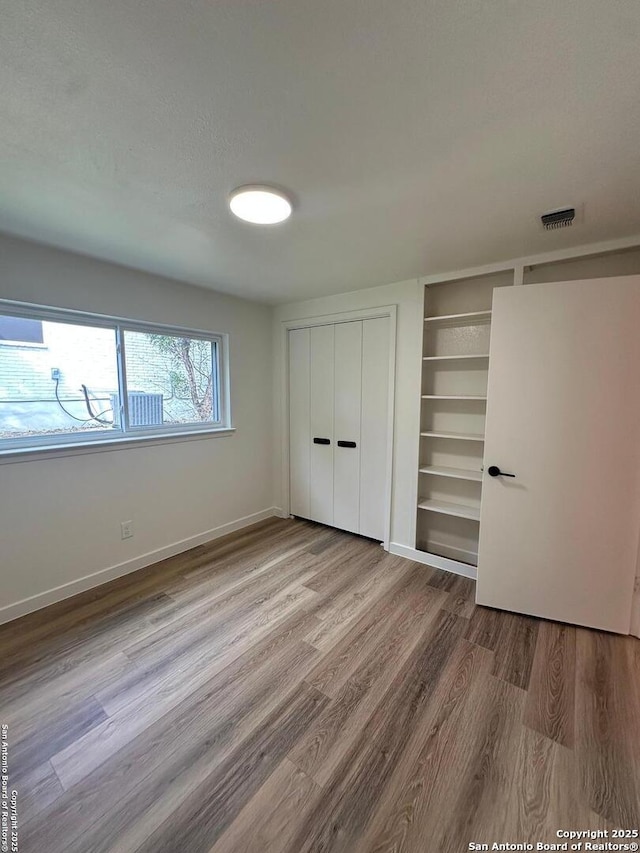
x=106, y=445
x=24, y=344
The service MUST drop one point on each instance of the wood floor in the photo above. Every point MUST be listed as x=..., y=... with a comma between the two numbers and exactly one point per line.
x=292, y=688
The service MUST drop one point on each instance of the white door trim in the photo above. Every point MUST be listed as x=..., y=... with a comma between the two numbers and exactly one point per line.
x=389, y=311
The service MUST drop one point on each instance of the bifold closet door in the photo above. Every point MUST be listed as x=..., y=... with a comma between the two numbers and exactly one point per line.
x=374, y=429
x=321, y=389
x=560, y=538
x=338, y=424
x=348, y=400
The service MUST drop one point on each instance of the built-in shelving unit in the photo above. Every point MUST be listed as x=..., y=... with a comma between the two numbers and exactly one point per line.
x=460, y=436
x=452, y=397
x=455, y=473
x=459, y=318
x=455, y=367
x=456, y=510
x=455, y=357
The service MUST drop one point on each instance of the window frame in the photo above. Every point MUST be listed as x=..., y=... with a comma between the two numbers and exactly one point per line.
x=125, y=433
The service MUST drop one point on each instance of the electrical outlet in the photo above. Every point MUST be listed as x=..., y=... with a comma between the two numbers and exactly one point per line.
x=126, y=529
x=55, y=373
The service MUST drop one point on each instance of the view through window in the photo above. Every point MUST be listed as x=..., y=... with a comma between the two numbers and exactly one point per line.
x=64, y=379
x=176, y=374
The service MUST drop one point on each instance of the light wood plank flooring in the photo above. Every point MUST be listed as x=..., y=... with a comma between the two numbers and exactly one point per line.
x=292, y=688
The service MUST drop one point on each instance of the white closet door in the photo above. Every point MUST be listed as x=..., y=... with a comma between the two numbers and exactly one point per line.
x=321, y=409
x=348, y=385
x=560, y=539
x=374, y=430
x=299, y=421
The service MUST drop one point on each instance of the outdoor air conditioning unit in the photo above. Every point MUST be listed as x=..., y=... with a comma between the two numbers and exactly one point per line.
x=144, y=409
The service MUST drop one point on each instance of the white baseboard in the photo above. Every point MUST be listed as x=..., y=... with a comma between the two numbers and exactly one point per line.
x=59, y=593
x=434, y=560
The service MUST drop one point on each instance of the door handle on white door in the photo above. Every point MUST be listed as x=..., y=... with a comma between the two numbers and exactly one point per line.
x=346, y=444
x=494, y=471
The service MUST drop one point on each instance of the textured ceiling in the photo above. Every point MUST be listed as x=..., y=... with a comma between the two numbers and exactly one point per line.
x=416, y=135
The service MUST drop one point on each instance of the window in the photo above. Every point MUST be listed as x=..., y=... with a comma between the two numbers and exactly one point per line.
x=95, y=379
x=176, y=373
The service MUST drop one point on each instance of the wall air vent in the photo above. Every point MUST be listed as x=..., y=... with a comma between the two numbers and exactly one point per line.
x=558, y=218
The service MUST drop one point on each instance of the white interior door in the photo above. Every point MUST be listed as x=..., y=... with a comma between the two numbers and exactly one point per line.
x=321, y=449
x=348, y=392
x=299, y=421
x=560, y=540
x=374, y=429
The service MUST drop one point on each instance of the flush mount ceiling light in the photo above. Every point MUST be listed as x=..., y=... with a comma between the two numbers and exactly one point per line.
x=260, y=205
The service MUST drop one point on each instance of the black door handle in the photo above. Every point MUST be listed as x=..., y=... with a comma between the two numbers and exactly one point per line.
x=322, y=441
x=346, y=444
x=494, y=471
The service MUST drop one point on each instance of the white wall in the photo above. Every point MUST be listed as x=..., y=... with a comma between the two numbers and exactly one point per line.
x=408, y=297
x=60, y=517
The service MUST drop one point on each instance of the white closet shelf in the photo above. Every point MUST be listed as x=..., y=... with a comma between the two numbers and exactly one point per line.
x=476, y=357
x=454, y=473
x=454, y=318
x=446, y=508
x=453, y=397
x=462, y=436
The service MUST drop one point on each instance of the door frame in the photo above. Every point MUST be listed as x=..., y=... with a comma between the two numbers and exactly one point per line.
x=389, y=311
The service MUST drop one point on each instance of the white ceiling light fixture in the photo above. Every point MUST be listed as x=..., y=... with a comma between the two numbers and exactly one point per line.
x=260, y=205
